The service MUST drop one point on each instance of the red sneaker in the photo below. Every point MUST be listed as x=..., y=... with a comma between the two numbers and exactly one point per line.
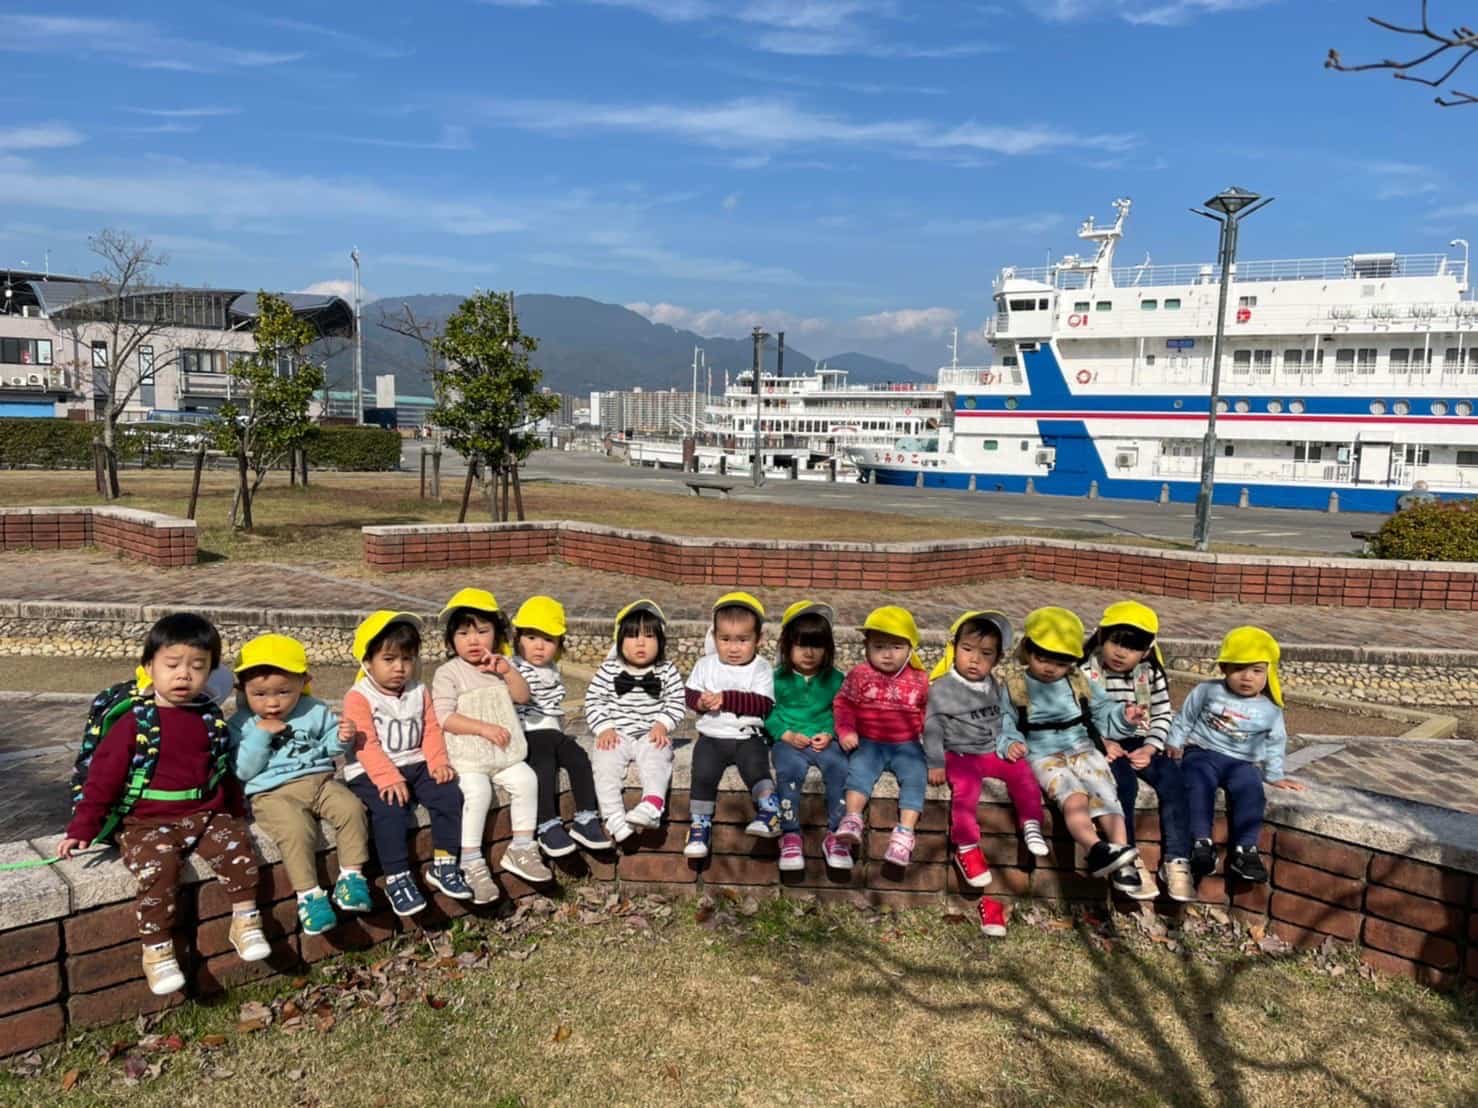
x=972, y=865
x=992, y=917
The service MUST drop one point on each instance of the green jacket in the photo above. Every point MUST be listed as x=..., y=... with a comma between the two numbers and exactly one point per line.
x=803, y=704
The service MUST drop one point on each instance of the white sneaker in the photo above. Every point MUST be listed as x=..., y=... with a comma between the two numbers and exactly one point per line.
x=645, y=814
x=1176, y=873
x=162, y=971
x=1031, y=831
x=619, y=829
x=246, y=936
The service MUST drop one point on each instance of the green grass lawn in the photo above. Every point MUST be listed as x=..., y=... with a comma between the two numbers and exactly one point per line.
x=743, y=1002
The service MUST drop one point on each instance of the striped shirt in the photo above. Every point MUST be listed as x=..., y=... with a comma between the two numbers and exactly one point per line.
x=633, y=714
x=1145, y=684
x=545, y=709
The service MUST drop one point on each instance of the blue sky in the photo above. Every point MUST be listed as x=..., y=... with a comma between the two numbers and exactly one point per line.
x=853, y=170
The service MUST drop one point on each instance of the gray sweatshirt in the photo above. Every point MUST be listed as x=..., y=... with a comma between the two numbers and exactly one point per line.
x=963, y=717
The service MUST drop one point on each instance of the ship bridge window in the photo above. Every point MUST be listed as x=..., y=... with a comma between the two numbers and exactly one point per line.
x=1009, y=359
x=1104, y=306
x=1023, y=305
x=1027, y=347
x=1081, y=305
x=1149, y=305
x=1172, y=303
x=1246, y=301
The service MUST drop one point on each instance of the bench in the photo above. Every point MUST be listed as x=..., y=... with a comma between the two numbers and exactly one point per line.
x=721, y=487
x=1365, y=536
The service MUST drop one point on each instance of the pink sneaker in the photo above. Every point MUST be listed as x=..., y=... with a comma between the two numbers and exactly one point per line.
x=792, y=857
x=838, y=854
x=900, y=847
x=992, y=917
x=851, y=829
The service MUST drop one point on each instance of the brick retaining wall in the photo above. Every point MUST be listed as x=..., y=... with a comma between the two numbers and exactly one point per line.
x=1253, y=579
x=150, y=537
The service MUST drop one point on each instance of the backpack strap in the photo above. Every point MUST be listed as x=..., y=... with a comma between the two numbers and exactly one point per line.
x=1083, y=694
x=1020, y=700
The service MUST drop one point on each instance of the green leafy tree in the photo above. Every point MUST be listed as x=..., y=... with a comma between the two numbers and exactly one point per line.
x=273, y=389
x=487, y=393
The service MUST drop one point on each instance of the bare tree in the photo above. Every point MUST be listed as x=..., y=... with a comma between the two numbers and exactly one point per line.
x=1451, y=50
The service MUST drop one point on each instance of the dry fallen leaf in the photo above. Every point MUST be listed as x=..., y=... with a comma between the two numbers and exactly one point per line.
x=435, y=1002
x=210, y=1042
x=563, y=1032
x=70, y=1079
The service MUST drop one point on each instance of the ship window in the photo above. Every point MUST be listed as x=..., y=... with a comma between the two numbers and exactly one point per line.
x=1467, y=459
x=1421, y=360
x=1418, y=456
x=1009, y=359
x=1452, y=358
x=1308, y=452
x=1081, y=305
x=1246, y=301
x=990, y=444
x=1149, y=359
x=1262, y=361
x=1365, y=360
x=1025, y=445
x=1242, y=361
x=1400, y=356
x=1473, y=360
x=1042, y=305
x=1148, y=305
x=1023, y=305
x=1104, y=306
x=1293, y=361
x=1344, y=360
x=1228, y=449
x=1172, y=304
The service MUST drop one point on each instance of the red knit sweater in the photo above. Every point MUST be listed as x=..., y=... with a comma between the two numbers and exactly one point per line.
x=882, y=707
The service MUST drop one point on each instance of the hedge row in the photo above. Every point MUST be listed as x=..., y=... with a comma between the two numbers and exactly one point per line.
x=1440, y=531
x=67, y=444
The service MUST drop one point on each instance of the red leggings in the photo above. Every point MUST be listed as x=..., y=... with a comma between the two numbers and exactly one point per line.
x=965, y=774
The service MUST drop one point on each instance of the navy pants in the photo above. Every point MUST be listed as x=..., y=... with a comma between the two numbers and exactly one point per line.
x=1164, y=776
x=1204, y=772
x=392, y=824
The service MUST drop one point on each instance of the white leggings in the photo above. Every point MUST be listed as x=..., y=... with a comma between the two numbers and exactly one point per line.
x=522, y=787
x=653, y=768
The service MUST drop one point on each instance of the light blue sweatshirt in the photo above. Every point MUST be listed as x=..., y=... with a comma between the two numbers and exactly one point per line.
x=1248, y=728
x=308, y=746
x=1051, y=701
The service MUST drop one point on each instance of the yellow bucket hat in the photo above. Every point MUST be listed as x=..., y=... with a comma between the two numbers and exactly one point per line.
x=1248, y=646
x=543, y=614
x=643, y=605
x=1054, y=630
x=1131, y=613
x=275, y=652
x=809, y=608
x=475, y=600
x=740, y=600
x=996, y=619
x=376, y=622
x=898, y=622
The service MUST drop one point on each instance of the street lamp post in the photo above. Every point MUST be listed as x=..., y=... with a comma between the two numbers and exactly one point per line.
x=1228, y=208
x=757, y=468
x=1467, y=288
x=358, y=345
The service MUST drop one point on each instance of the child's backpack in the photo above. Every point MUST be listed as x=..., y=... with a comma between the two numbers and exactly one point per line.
x=108, y=707
x=1016, y=689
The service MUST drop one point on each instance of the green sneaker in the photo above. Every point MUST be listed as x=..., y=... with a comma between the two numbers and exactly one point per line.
x=351, y=893
x=316, y=914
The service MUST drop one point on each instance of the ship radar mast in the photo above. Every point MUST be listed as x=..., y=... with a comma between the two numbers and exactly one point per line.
x=1099, y=270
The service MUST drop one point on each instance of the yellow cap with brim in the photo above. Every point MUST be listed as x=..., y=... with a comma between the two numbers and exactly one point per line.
x=543, y=614
x=1052, y=631
x=647, y=606
x=1245, y=646
x=477, y=600
x=996, y=619
x=740, y=600
x=809, y=608
x=280, y=652
x=1131, y=613
x=898, y=622
x=375, y=623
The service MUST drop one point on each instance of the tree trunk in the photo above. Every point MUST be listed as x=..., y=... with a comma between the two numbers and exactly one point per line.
x=492, y=494
x=292, y=467
x=110, y=458
x=467, y=489
x=244, y=491
x=517, y=492
x=97, y=468
x=303, y=462
x=195, y=481
x=506, y=514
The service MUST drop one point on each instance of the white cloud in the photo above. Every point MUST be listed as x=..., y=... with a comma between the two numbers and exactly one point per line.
x=370, y=48
x=1157, y=13
x=728, y=324
x=629, y=252
x=731, y=202
x=39, y=136
x=184, y=113
x=341, y=287
x=906, y=321
x=452, y=137
x=132, y=42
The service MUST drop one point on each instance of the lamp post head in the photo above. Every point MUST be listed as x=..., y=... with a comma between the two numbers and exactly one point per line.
x=1459, y=242
x=1232, y=200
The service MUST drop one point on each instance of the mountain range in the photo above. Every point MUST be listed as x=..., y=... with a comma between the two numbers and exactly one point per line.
x=584, y=345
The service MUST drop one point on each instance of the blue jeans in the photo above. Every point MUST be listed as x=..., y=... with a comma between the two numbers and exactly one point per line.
x=1206, y=770
x=906, y=761
x=1163, y=774
x=790, y=774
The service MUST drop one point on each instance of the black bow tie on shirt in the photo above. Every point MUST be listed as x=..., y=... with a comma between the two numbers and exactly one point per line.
x=647, y=682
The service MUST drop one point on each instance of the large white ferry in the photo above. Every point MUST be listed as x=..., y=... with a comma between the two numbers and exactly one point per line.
x=1353, y=375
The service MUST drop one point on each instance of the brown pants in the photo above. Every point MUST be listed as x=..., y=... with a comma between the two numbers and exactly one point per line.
x=289, y=814
x=153, y=854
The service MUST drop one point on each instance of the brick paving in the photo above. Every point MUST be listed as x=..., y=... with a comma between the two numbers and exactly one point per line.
x=1442, y=772
x=83, y=576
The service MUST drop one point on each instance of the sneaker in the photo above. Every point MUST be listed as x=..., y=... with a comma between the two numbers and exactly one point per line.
x=900, y=847
x=246, y=936
x=446, y=876
x=698, y=837
x=589, y=834
x=1105, y=858
x=479, y=879
x=161, y=970
x=523, y=861
x=352, y=893
x=838, y=854
x=1203, y=859
x=851, y=829
x=405, y=896
x=1146, y=889
x=765, y=825
x=555, y=841
x=1245, y=863
x=619, y=829
x=1176, y=873
x=1036, y=844
x=973, y=867
x=645, y=814
x=316, y=914
x=1127, y=881
x=792, y=855
x=992, y=917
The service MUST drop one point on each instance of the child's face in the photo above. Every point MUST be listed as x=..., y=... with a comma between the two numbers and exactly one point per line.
x=736, y=638
x=473, y=640
x=1047, y=668
x=273, y=694
x=640, y=649
x=887, y=653
x=1248, y=680
x=179, y=673
x=1120, y=658
x=391, y=667
x=806, y=658
x=537, y=648
x=976, y=656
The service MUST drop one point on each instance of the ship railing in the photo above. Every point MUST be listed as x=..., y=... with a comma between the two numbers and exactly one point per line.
x=1351, y=266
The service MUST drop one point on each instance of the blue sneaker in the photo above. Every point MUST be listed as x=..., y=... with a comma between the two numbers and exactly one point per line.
x=589, y=833
x=352, y=893
x=445, y=875
x=405, y=897
x=316, y=914
x=766, y=822
x=555, y=841
x=699, y=835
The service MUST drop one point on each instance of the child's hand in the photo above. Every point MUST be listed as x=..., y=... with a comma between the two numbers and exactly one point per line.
x=848, y=741
x=398, y=794
x=1141, y=757
x=442, y=774
x=495, y=664
x=1174, y=752
x=271, y=726
x=66, y=847
x=710, y=702
x=658, y=733
x=821, y=742
x=348, y=733
x=496, y=735
x=1135, y=714
x=795, y=739
x=1112, y=750
x=1016, y=751
x=1288, y=783
x=607, y=739
x=936, y=777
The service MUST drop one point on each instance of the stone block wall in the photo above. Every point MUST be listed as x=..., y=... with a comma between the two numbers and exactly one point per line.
x=158, y=540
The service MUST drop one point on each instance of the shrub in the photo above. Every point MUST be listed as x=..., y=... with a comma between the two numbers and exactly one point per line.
x=1440, y=531
x=355, y=448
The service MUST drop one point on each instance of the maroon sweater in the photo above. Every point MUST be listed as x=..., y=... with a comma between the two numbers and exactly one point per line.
x=184, y=763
